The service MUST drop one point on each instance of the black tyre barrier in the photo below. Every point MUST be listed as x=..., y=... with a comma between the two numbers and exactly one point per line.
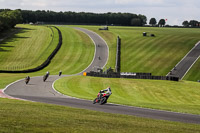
x=43, y=65
x=118, y=56
x=137, y=76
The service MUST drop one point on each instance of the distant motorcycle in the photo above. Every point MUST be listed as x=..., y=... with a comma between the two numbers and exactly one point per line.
x=45, y=77
x=101, y=99
x=27, y=79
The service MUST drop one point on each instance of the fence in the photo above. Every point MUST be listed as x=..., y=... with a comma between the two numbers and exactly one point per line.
x=134, y=76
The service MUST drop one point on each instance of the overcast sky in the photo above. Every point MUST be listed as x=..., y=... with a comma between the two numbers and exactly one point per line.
x=175, y=11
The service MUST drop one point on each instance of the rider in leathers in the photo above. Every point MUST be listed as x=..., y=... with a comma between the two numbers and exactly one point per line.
x=105, y=91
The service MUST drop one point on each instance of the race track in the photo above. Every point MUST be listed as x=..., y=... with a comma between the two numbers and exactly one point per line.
x=40, y=91
x=181, y=69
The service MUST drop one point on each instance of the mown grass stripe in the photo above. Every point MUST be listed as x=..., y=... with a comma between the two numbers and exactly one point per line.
x=30, y=117
x=165, y=95
x=24, y=45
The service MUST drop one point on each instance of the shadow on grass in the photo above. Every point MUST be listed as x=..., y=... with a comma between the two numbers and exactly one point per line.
x=4, y=50
x=11, y=36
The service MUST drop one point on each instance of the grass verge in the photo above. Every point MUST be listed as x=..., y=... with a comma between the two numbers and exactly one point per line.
x=26, y=49
x=156, y=55
x=183, y=96
x=23, y=116
x=74, y=56
x=194, y=73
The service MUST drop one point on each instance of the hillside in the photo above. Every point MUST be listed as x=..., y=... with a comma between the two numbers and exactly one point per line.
x=156, y=55
x=27, y=48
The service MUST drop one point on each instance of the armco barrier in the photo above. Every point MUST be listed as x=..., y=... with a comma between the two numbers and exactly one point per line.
x=45, y=63
x=137, y=76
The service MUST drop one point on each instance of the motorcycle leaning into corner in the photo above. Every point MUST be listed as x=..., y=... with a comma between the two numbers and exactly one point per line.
x=103, y=96
x=27, y=79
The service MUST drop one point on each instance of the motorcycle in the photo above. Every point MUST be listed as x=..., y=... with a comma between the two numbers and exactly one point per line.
x=27, y=79
x=101, y=99
x=45, y=77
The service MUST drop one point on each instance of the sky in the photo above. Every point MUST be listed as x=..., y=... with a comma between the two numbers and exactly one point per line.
x=175, y=11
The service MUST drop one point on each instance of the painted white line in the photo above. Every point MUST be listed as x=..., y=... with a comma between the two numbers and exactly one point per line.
x=97, y=44
x=120, y=104
x=67, y=96
x=7, y=96
x=93, y=55
x=190, y=67
x=198, y=43
x=106, y=45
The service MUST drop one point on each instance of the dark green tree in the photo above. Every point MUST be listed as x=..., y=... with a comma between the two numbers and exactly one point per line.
x=143, y=19
x=185, y=23
x=8, y=19
x=152, y=22
x=136, y=22
x=161, y=23
x=194, y=23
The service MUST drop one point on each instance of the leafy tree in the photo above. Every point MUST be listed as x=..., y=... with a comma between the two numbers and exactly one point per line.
x=194, y=23
x=8, y=19
x=143, y=19
x=136, y=22
x=153, y=21
x=185, y=23
x=16, y=17
x=161, y=22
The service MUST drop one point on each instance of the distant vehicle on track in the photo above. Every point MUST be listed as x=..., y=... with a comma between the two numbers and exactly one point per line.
x=27, y=79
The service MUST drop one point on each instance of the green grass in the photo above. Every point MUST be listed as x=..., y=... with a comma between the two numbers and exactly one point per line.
x=157, y=55
x=183, y=96
x=194, y=73
x=23, y=116
x=6, y=79
x=74, y=56
x=26, y=49
x=110, y=38
x=77, y=53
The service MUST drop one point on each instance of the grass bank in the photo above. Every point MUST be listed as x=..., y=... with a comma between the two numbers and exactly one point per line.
x=181, y=96
x=157, y=55
x=22, y=116
x=194, y=73
x=110, y=38
x=73, y=57
x=27, y=48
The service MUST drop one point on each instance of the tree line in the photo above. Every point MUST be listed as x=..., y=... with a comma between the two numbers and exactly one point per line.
x=191, y=23
x=124, y=19
x=161, y=23
x=8, y=19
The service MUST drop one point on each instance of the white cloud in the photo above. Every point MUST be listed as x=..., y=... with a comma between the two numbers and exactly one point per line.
x=34, y=3
x=139, y=2
x=175, y=11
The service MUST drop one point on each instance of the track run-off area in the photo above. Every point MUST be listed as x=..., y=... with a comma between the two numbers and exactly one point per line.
x=44, y=92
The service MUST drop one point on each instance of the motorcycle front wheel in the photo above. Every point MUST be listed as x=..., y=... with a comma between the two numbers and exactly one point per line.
x=94, y=101
x=103, y=100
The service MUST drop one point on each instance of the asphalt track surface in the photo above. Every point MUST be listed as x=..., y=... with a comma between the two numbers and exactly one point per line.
x=181, y=69
x=40, y=91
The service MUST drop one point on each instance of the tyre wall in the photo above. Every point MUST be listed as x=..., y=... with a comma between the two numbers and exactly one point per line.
x=45, y=63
